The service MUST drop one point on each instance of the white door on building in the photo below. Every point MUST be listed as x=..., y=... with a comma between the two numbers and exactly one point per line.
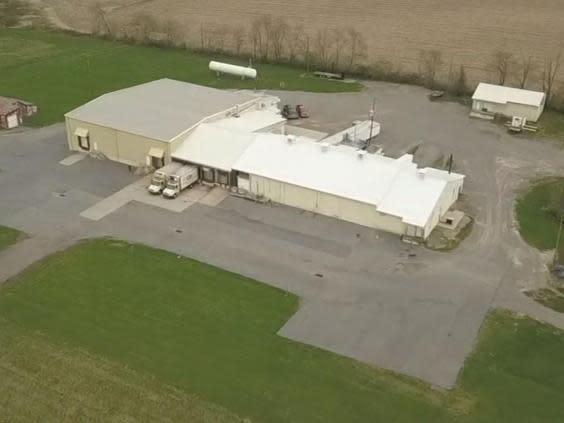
x=13, y=120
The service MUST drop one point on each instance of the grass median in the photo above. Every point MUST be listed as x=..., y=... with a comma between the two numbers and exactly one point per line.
x=8, y=236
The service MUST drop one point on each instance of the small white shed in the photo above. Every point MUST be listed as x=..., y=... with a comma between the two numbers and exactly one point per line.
x=490, y=100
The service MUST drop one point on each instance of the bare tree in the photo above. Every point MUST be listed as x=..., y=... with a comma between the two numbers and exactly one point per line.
x=100, y=22
x=171, y=31
x=277, y=36
x=261, y=31
x=356, y=46
x=430, y=61
x=238, y=37
x=142, y=27
x=217, y=38
x=460, y=85
x=305, y=47
x=323, y=46
x=294, y=43
x=13, y=11
x=338, y=44
x=501, y=64
x=550, y=70
x=526, y=67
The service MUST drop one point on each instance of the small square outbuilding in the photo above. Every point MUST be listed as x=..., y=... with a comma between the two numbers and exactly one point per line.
x=13, y=111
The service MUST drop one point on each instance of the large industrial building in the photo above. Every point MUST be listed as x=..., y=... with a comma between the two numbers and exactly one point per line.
x=490, y=100
x=349, y=184
x=238, y=140
x=142, y=125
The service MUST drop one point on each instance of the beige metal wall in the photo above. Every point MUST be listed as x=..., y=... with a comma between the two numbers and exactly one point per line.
x=510, y=109
x=325, y=204
x=446, y=200
x=118, y=146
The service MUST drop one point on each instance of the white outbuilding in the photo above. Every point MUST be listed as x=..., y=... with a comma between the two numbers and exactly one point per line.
x=490, y=100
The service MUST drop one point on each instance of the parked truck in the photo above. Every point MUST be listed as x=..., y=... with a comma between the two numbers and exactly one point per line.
x=180, y=180
x=160, y=177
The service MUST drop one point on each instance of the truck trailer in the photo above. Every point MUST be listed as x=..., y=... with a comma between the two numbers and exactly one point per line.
x=160, y=177
x=180, y=180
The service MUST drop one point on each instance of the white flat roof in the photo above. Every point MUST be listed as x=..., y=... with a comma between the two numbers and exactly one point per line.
x=213, y=146
x=252, y=121
x=393, y=186
x=160, y=109
x=502, y=95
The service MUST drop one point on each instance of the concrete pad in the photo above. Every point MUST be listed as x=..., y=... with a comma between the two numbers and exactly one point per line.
x=137, y=191
x=423, y=338
x=72, y=159
x=214, y=197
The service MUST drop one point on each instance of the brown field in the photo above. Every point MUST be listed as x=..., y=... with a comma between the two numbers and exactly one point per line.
x=465, y=32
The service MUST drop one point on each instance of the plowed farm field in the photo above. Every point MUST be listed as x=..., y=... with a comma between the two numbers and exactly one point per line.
x=466, y=32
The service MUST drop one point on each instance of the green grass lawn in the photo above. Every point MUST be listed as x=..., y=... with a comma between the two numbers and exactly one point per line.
x=551, y=125
x=210, y=336
x=46, y=381
x=8, y=236
x=537, y=226
x=61, y=71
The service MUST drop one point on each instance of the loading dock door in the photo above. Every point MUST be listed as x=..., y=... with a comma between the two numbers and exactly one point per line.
x=156, y=157
x=243, y=181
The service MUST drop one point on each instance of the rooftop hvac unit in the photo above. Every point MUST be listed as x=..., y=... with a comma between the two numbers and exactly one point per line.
x=361, y=154
x=290, y=139
x=421, y=174
x=227, y=68
x=324, y=147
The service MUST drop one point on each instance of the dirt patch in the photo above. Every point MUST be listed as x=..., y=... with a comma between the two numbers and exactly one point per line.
x=443, y=239
x=551, y=298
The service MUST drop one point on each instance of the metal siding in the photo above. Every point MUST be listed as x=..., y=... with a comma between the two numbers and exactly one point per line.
x=135, y=148
x=532, y=113
x=103, y=138
x=325, y=204
x=445, y=202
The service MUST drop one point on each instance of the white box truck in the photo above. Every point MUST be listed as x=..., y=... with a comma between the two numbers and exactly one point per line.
x=160, y=177
x=180, y=180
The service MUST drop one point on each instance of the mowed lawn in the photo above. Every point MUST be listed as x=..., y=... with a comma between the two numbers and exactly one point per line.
x=155, y=328
x=60, y=71
x=537, y=226
x=8, y=236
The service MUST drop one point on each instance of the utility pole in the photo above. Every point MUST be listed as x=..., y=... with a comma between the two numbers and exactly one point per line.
x=558, y=237
x=450, y=164
x=371, y=122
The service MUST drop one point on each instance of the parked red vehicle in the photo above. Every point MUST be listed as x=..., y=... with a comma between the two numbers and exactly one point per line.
x=302, y=111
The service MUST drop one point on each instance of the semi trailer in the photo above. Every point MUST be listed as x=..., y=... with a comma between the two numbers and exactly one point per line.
x=180, y=180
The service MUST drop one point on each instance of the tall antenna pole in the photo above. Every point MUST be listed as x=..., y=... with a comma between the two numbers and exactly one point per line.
x=371, y=121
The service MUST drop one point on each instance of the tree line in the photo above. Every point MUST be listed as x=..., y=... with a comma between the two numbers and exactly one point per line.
x=269, y=39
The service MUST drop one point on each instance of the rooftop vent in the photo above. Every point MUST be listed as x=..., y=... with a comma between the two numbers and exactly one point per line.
x=421, y=174
x=324, y=147
x=290, y=139
x=361, y=154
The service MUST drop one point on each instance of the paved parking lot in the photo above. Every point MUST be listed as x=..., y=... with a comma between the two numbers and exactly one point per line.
x=365, y=293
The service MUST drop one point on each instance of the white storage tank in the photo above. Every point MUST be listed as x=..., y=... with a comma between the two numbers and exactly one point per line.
x=233, y=69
